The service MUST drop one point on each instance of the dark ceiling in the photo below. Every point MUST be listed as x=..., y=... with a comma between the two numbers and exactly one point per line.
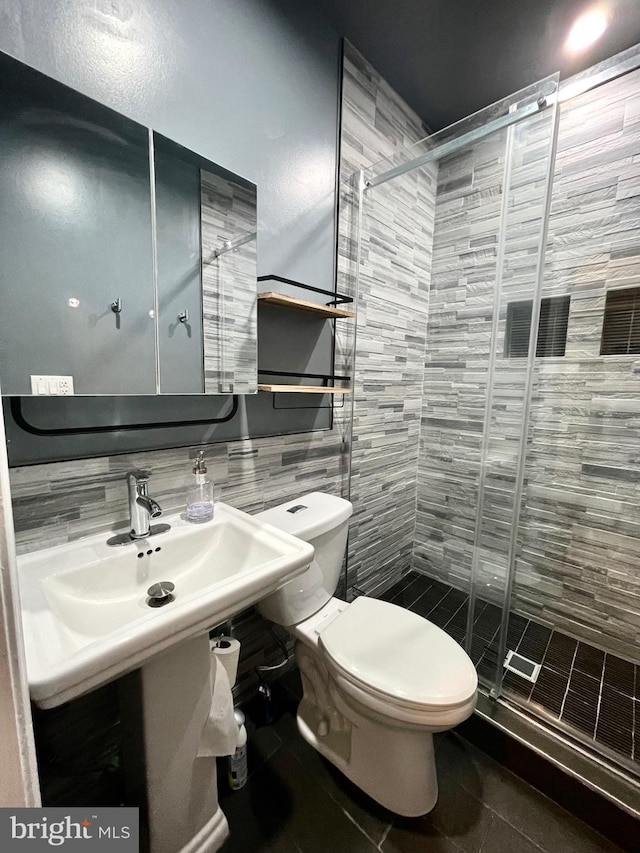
x=449, y=58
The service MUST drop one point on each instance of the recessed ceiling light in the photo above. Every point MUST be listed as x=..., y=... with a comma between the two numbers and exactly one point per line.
x=587, y=29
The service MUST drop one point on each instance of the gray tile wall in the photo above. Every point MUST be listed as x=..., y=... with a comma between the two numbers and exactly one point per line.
x=63, y=501
x=469, y=200
x=578, y=559
x=578, y=537
x=476, y=200
x=228, y=213
x=392, y=311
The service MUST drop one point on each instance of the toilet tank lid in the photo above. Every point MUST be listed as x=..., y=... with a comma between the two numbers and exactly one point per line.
x=309, y=516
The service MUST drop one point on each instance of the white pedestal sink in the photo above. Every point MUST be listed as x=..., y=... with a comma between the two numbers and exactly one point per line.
x=181, y=786
x=87, y=620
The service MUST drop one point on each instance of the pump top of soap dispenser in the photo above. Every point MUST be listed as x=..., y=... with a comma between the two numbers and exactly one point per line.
x=200, y=467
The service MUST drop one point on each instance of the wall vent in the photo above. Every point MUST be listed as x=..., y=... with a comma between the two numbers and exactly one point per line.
x=621, y=327
x=552, y=328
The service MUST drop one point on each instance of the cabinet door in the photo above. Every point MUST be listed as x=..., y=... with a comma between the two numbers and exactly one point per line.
x=229, y=285
x=179, y=280
x=206, y=224
x=75, y=238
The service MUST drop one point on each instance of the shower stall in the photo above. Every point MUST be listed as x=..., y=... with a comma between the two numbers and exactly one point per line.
x=511, y=241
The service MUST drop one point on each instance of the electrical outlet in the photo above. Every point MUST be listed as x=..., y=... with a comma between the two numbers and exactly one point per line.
x=52, y=386
x=65, y=386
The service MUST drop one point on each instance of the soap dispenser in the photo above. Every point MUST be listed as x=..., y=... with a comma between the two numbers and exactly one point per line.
x=200, y=494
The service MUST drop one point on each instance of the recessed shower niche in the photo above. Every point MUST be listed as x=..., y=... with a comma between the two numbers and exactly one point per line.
x=128, y=261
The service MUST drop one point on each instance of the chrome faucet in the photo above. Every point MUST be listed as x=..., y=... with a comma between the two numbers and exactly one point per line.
x=142, y=508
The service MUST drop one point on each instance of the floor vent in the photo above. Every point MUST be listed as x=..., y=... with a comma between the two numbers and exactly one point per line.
x=522, y=666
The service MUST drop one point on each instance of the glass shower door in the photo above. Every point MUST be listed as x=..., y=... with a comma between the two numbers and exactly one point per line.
x=574, y=571
x=468, y=207
x=520, y=328
x=490, y=216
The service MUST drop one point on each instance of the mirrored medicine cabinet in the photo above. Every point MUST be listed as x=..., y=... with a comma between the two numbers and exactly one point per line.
x=127, y=262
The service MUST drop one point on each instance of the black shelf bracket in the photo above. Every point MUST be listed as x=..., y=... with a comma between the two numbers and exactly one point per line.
x=326, y=377
x=338, y=298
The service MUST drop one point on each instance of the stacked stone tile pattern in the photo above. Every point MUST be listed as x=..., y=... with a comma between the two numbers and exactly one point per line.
x=395, y=260
x=62, y=501
x=496, y=186
x=229, y=291
x=577, y=552
x=578, y=559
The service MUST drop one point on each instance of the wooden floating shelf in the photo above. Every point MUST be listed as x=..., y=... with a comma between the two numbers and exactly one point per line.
x=304, y=389
x=273, y=298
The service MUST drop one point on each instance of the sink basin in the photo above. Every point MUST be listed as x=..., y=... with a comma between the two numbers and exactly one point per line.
x=85, y=610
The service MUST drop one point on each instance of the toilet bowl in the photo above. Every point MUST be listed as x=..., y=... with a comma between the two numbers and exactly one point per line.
x=378, y=680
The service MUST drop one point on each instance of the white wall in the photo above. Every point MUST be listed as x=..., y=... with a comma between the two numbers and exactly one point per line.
x=18, y=779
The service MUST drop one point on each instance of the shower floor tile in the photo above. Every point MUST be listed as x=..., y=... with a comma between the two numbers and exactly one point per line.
x=580, y=713
x=592, y=693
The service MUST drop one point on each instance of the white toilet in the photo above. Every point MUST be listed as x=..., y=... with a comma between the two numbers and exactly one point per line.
x=378, y=680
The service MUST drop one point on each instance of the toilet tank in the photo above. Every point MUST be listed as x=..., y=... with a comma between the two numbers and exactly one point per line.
x=323, y=521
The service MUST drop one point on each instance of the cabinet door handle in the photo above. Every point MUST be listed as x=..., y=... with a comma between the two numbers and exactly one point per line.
x=116, y=305
x=183, y=316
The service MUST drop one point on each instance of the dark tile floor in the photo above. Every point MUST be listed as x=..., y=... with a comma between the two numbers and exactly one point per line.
x=592, y=694
x=296, y=802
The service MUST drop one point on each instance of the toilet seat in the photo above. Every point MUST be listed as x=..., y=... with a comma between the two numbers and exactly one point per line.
x=398, y=664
